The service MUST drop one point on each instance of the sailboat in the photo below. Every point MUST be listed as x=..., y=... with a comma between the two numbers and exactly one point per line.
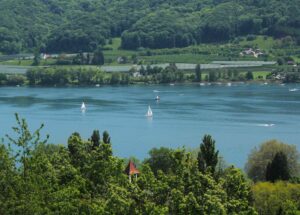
x=149, y=112
x=83, y=107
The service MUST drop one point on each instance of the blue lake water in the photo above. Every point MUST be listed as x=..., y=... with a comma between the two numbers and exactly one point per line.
x=239, y=117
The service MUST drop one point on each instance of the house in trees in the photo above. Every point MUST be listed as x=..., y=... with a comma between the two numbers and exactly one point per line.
x=131, y=170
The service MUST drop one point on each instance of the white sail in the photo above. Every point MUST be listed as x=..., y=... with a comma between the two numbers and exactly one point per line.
x=149, y=112
x=83, y=108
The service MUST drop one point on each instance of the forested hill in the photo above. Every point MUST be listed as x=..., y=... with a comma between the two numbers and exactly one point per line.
x=82, y=25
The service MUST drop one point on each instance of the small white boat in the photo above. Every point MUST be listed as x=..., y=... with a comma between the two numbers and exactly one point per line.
x=149, y=112
x=83, y=107
x=172, y=84
x=229, y=84
x=293, y=90
x=157, y=98
x=97, y=85
x=202, y=84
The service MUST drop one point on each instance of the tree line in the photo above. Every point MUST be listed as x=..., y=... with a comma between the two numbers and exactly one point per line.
x=91, y=76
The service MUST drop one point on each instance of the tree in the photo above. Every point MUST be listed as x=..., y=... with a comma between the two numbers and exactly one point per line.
x=98, y=58
x=238, y=192
x=280, y=61
x=272, y=198
x=160, y=159
x=259, y=158
x=26, y=141
x=9, y=181
x=207, y=156
x=249, y=75
x=36, y=58
x=278, y=169
x=95, y=138
x=106, y=137
x=212, y=76
x=79, y=151
x=198, y=72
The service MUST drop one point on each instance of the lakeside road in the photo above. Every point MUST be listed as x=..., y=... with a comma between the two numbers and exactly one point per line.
x=190, y=66
x=8, y=69
x=12, y=69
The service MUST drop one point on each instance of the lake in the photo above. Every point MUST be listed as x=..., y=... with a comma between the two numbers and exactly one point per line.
x=239, y=117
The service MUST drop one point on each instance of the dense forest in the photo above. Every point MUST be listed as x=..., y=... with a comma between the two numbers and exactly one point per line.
x=84, y=177
x=83, y=25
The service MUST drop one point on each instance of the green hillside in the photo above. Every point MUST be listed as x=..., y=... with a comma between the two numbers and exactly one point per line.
x=82, y=25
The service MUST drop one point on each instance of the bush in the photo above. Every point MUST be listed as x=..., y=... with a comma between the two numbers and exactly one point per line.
x=277, y=198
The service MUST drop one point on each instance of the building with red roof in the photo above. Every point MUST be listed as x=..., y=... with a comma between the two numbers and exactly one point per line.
x=131, y=170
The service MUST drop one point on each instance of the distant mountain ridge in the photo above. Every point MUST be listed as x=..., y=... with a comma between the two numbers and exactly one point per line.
x=82, y=25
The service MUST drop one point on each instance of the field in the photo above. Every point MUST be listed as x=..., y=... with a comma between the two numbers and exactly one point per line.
x=204, y=54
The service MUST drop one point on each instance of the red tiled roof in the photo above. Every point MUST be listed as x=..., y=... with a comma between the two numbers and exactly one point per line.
x=131, y=169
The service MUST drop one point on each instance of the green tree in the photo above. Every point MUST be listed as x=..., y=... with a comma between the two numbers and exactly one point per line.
x=272, y=198
x=95, y=138
x=98, y=58
x=278, y=169
x=26, y=141
x=36, y=58
x=9, y=181
x=198, y=73
x=249, y=75
x=212, y=76
x=207, y=156
x=160, y=159
x=238, y=190
x=106, y=137
x=259, y=158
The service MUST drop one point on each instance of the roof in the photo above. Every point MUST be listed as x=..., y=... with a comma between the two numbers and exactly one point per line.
x=131, y=169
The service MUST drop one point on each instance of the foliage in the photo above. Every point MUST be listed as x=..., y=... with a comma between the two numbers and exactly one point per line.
x=37, y=58
x=259, y=158
x=86, y=178
x=249, y=75
x=160, y=159
x=276, y=198
x=81, y=26
x=278, y=169
x=98, y=58
x=207, y=156
x=198, y=73
x=73, y=76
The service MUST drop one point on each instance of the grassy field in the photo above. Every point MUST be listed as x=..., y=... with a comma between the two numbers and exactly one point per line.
x=17, y=62
x=260, y=74
x=202, y=54
x=28, y=62
x=261, y=42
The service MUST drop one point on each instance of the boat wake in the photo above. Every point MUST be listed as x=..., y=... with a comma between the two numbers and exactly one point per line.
x=266, y=125
x=293, y=90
